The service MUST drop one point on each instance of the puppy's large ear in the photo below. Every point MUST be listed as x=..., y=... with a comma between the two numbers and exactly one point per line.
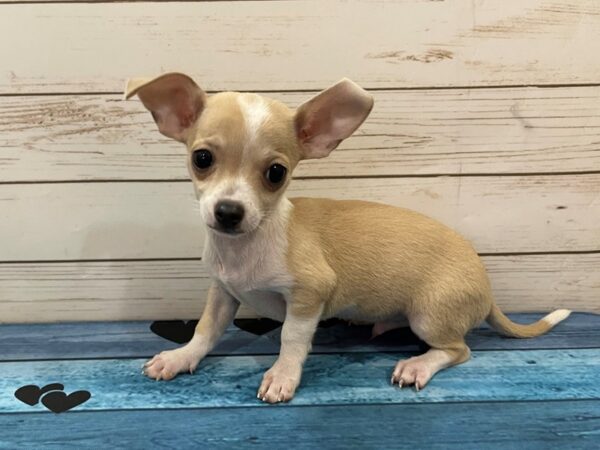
x=330, y=117
x=174, y=100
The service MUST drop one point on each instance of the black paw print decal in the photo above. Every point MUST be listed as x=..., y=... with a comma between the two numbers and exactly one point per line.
x=174, y=330
x=52, y=397
x=181, y=332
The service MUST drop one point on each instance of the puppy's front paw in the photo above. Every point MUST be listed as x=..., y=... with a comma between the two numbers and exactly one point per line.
x=166, y=365
x=279, y=383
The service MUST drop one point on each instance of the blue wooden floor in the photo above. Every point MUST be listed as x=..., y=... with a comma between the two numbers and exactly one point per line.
x=538, y=393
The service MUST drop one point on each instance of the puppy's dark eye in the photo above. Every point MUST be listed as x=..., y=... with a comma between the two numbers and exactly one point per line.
x=275, y=173
x=202, y=159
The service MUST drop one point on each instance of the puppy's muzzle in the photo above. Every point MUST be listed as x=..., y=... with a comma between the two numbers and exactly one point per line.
x=229, y=215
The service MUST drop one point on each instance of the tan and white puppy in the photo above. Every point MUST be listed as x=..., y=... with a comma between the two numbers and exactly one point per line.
x=303, y=260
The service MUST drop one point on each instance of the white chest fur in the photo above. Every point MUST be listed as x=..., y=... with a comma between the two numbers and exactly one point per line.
x=253, y=268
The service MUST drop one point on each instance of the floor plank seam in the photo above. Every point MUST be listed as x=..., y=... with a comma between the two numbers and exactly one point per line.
x=275, y=353
x=315, y=405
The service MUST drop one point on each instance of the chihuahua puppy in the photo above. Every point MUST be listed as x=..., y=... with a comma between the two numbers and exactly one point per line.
x=303, y=260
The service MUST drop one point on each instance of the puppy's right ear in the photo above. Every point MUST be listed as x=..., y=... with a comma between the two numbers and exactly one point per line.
x=174, y=100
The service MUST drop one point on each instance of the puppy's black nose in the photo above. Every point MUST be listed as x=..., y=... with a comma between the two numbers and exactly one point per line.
x=229, y=214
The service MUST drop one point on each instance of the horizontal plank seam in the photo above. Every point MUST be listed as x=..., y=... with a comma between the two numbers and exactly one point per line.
x=314, y=405
x=69, y=261
x=313, y=90
x=167, y=259
x=276, y=352
x=557, y=252
x=319, y=177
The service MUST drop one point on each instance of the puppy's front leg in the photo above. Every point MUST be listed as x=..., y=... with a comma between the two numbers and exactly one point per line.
x=301, y=320
x=218, y=314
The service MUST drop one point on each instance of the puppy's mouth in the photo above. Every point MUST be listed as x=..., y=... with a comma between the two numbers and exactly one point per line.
x=231, y=232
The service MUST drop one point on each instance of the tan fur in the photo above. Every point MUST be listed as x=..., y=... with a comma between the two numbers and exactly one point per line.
x=504, y=325
x=385, y=262
x=318, y=258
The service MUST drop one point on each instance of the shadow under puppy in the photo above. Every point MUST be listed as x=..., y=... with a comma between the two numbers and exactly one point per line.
x=303, y=260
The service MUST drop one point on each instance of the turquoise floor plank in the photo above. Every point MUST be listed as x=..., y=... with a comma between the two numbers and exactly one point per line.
x=467, y=426
x=105, y=339
x=134, y=339
x=349, y=378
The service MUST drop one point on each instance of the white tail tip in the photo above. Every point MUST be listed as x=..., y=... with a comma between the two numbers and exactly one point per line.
x=557, y=316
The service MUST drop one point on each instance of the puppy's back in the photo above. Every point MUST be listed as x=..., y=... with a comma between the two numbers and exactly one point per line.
x=385, y=257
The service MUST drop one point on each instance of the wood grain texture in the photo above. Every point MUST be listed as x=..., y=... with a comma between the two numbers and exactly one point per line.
x=462, y=131
x=162, y=220
x=26, y=342
x=335, y=379
x=462, y=426
x=163, y=290
x=246, y=45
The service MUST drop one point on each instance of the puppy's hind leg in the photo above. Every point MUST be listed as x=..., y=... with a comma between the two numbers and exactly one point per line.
x=445, y=334
x=442, y=320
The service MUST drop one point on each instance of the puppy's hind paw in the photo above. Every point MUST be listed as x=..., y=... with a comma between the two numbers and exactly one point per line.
x=413, y=371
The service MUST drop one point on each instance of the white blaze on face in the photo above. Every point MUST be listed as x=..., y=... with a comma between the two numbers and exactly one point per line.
x=255, y=111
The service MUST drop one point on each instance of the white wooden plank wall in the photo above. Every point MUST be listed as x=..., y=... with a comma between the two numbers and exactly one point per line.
x=487, y=117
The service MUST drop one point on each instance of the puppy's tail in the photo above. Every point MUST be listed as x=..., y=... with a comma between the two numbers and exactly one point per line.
x=507, y=327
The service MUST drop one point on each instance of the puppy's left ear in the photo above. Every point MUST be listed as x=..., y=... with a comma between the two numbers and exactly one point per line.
x=330, y=117
x=174, y=100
